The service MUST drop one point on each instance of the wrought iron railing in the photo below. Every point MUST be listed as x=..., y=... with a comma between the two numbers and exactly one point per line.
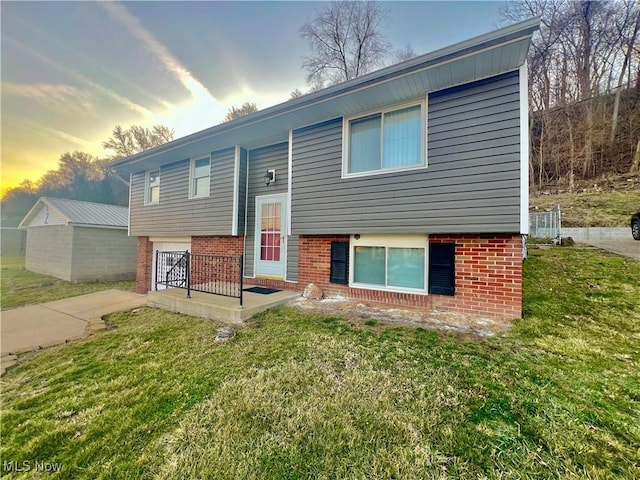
x=215, y=274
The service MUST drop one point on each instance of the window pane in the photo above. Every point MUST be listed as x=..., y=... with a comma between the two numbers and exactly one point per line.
x=364, y=144
x=201, y=168
x=402, y=138
x=405, y=267
x=154, y=194
x=201, y=187
x=277, y=218
x=154, y=177
x=369, y=265
x=270, y=247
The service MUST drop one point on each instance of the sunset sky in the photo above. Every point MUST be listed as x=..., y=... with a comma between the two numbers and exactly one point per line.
x=71, y=71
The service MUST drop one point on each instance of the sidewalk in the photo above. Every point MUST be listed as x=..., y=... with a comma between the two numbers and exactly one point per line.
x=39, y=326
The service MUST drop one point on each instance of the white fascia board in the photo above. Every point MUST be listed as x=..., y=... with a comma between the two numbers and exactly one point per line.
x=524, y=149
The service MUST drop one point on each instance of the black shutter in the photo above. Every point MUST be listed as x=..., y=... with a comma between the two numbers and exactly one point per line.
x=339, y=263
x=442, y=274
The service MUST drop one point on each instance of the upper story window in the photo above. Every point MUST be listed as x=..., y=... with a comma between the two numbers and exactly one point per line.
x=200, y=177
x=388, y=140
x=152, y=187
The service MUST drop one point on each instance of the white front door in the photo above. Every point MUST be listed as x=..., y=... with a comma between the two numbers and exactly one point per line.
x=271, y=235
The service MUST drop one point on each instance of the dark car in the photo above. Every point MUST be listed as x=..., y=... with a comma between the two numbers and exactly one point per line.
x=635, y=225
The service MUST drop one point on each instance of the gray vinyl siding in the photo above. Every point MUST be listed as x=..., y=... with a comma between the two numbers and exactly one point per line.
x=176, y=213
x=292, y=258
x=261, y=160
x=471, y=183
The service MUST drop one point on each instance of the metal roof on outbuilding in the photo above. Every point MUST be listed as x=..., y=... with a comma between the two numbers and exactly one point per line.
x=86, y=214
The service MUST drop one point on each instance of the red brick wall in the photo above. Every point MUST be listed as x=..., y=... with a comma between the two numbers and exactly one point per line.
x=488, y=272
x=144, y=265
x=314, y=262
x=206, y=269
x=488, y=275
x=218, y=245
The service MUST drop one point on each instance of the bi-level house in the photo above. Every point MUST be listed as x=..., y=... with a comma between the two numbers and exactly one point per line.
x=407, y=186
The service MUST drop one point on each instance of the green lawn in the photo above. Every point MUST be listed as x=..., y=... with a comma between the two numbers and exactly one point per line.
x=21, y=287
x=299, y=396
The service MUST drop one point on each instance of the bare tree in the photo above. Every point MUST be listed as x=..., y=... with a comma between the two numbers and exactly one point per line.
x=346, y=41
x=295, y=94
x=405, y=53
x=583, y=52
x=137, y=139
x=627, y=26
x=237, y=112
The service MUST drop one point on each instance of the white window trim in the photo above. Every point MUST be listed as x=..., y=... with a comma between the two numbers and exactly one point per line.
x=346, y=136
x=147, y=197
x=398, y=241
x=192, y=179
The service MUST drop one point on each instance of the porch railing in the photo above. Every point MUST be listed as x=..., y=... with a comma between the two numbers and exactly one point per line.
x=215, y=274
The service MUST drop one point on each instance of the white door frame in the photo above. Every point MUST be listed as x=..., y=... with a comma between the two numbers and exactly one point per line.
x=282, y=197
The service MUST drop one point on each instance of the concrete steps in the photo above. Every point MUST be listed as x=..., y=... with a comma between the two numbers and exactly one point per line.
x=217, y=307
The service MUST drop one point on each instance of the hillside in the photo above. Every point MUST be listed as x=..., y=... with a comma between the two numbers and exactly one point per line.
x=607, y=202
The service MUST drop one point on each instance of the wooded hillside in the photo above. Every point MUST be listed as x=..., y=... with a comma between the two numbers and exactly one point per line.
x=584, y=87
x=571, y=145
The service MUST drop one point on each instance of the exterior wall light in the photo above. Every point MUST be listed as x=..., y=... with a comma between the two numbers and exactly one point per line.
x=270, y=177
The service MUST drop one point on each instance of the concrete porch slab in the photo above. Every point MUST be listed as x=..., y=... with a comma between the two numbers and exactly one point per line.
x=217, y=307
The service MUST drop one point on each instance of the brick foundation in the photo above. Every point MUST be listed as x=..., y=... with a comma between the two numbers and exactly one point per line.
x=144, y=265
x=488, y=276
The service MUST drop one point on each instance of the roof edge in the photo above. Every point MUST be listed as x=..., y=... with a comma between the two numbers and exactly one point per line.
x=464, y=47
x=47, y=201
x=30, y=214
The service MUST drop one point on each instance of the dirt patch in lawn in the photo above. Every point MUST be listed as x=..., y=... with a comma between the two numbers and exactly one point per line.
x=385, y=316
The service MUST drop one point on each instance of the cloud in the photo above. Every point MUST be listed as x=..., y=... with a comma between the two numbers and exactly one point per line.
x=84, y=80
x=68, y=96
x=203, y=109
x=119, y=13
x=85, y=144
x=51, y=134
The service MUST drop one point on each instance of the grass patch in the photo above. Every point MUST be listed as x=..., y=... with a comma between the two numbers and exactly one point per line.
x=591, y=209
x=21, y=287
x=297, y=395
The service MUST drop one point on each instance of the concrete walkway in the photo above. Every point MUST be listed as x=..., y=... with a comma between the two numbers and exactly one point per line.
x=626, y=247
x=30, y=328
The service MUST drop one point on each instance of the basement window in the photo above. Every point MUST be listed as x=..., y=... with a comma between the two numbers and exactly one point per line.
x=389, y=262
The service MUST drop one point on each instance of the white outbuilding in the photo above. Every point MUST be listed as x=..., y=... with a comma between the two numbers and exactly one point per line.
x=79, y=241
